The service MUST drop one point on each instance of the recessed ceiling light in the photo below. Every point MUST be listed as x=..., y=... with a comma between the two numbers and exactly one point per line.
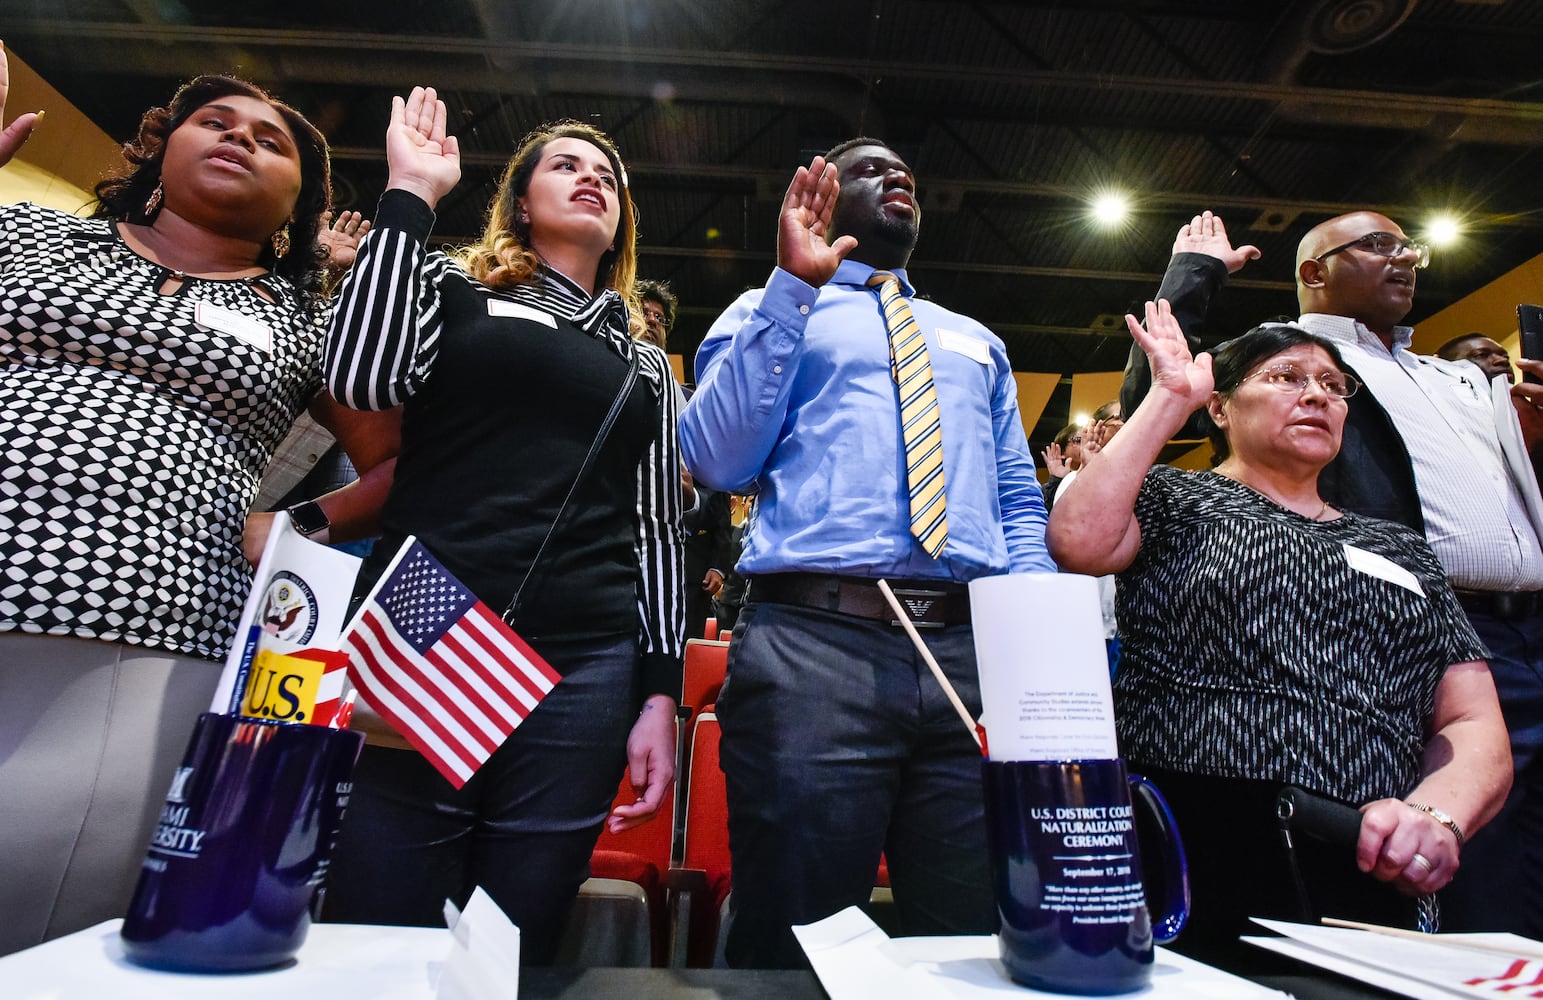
x=1443, y=230
x=1111, y=209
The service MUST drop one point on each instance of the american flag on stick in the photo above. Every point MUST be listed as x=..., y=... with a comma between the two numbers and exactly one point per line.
x=439, y=666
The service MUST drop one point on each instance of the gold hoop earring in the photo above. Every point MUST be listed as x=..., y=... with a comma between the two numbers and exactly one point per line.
x=153, y=203
x=281, y=242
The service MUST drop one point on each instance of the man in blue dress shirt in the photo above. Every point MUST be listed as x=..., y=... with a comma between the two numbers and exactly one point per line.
x=838, y=745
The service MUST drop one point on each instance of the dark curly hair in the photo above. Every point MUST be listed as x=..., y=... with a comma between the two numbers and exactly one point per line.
x=122, y=196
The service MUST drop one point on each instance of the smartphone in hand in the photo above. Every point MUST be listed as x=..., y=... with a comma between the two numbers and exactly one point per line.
x=1529, y=320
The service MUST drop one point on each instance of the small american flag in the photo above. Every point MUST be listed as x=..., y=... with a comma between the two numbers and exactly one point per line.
x=447, y=674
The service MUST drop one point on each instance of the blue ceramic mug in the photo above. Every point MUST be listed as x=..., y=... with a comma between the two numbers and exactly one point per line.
x=1068, y=877
x=243, y=842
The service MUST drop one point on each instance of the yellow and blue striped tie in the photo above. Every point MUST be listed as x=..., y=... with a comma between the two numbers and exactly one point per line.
x=919, y=428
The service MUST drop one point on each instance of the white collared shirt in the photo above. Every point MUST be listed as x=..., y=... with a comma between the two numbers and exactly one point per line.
x=1476, y=514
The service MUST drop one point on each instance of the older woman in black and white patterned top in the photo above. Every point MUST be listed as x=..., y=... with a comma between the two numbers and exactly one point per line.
x=151, y=358
x=1272, y=640
x=507, y=358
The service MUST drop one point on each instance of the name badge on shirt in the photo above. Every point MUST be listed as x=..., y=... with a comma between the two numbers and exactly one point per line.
x=1372, y=564
x=519, y=310
x=959, y=343
x=222, y=320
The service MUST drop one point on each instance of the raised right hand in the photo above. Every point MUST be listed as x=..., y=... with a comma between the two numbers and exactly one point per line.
x=1174, y=370
x=1206, y=234
x=16, y=133
x=1055, y=461
x=420, y=157
x=806, y=210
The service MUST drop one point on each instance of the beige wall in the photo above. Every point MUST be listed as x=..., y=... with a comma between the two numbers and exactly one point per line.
x=66, y=155
x=1491, y=310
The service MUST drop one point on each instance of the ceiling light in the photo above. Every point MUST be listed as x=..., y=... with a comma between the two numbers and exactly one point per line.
x=1111, y=209
x=1443, y=230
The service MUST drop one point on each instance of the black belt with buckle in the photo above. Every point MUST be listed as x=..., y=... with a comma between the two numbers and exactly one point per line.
x=930, y=603
x=1509, y=605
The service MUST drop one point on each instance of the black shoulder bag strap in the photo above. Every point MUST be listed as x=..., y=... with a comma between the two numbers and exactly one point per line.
x=513, y=611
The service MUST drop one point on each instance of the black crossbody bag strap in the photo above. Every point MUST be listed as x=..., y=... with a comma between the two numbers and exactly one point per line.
x=513, y=611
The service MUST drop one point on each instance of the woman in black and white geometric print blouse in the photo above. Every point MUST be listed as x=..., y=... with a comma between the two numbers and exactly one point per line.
x=507, y=358
x=151, y=358
x=1271, y=640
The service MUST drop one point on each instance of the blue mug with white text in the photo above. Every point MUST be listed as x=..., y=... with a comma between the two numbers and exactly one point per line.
x=1068, y=877
x=244, y=841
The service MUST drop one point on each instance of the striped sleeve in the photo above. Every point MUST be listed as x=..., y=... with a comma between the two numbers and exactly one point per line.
x=659, y=541
x=386, y=322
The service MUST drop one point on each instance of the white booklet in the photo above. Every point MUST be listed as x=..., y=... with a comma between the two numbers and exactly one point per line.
x=1423, y=966
x=856, y=960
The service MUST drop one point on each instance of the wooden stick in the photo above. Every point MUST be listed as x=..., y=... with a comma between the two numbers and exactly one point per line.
x=1450, y=940
x=937, y=671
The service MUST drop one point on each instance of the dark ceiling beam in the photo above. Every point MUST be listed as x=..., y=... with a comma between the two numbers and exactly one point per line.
x=345, y=51
x=760, y=178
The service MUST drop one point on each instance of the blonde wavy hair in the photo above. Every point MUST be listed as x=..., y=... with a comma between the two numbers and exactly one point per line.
x=504, y=257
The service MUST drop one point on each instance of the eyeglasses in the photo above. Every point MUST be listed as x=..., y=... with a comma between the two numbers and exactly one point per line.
x=1385, y=245
x=1074, y=440
x=1290, y=378
x=657, y=315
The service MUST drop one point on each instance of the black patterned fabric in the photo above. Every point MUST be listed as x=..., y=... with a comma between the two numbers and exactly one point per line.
x=1252, y=648
x=132, y=439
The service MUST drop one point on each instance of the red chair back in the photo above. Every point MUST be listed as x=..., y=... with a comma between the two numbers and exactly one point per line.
x=707, y=810
x=707, y=662
x=706, y=848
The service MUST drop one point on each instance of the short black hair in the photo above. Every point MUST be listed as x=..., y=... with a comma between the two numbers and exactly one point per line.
x=862, y=140
x=1231, y=361
x=1448, y=351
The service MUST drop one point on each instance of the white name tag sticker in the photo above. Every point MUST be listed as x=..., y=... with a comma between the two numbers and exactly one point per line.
x=222, y=320
x=1372, y=564
x=518, y=310
x=959, y=343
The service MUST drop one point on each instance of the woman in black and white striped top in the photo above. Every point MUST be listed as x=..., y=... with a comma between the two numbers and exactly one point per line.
x=1270, y=639
x=507, y=359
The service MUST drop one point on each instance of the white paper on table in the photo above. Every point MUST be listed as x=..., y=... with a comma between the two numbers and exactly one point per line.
x=337, y=962
x=855, y=960
x=1436, y=966
x=484, y=962
x=1044, y=667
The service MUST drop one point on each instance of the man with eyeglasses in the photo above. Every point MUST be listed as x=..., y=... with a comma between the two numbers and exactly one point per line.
x=1434, y=445
x=659, y=305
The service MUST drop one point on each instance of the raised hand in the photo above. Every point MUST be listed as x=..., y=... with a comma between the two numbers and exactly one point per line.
x=16, y=133
x=1206, y=234
x=1055, y=461
x=420, y=157
x=1092, y=439
x=1174, y=370
x=340, y=238
x=806, y=210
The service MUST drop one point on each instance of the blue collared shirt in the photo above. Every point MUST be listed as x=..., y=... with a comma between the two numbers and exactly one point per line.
x=795, y=397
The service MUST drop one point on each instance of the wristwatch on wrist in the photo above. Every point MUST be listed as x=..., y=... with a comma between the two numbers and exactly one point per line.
x=308, y=518
x=1442, y=817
